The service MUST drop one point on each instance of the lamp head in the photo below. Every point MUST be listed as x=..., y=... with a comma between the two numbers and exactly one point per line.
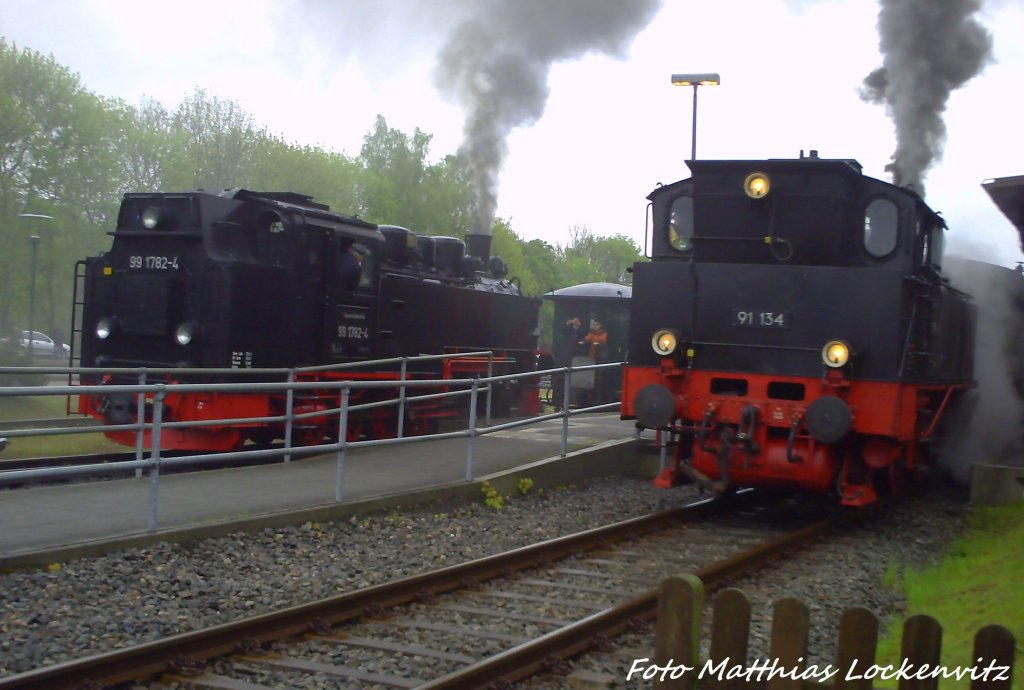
x=697, y=79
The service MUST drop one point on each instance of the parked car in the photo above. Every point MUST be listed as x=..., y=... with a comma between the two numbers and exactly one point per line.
x=43, y=345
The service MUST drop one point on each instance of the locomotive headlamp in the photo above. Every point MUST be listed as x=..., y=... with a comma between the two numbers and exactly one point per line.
x=835, y=354
x=757, y=185
x=105, y=328
x=664, y=342
x=186, y=333
x=152, y=216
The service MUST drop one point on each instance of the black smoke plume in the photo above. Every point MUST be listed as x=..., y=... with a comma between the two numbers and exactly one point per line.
x=929, y=49
x=496, y=63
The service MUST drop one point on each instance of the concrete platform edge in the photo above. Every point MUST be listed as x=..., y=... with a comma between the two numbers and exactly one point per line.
x=995, y=484
x=611, y=458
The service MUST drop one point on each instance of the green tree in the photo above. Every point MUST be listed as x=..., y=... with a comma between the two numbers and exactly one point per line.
x=55, y=156
x=448, y=197
x=330, y=178
x=546, y=265
x=506, y=244
x=589, y=258
x=220, y=139
x=399, y=187
x=153, y=152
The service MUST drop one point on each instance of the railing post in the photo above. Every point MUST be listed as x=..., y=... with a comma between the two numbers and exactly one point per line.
x=490, y=385
x=855, y=649
x=154, y=472
x=401, y=398
x=567, y=387
x=994, y=646
x=289, y=408
x=730, y=637
x=472, y=429
x=339, y=478
x=791, y=627
x=921, y=644
x=677, y=631
x=140, y=420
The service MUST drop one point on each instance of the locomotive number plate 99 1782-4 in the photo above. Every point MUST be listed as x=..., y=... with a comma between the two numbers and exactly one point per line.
x=161, y=263
x=747, y=318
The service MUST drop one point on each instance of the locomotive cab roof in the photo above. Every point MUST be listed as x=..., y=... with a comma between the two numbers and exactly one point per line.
x=193, y=213
x=809, y=210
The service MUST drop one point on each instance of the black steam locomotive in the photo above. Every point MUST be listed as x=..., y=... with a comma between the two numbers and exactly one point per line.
x=794, y=328
x=247, y=280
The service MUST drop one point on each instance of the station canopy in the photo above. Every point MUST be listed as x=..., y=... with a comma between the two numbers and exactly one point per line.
x=611, y=291
x=1008, y=193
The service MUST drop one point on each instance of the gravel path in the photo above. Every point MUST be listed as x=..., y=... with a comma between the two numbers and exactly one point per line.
x=94, y=605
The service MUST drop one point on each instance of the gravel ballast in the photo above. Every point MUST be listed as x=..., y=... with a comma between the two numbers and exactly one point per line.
x=93, y=605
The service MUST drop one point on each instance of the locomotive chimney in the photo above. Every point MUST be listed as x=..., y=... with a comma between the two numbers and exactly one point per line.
x=479, y=245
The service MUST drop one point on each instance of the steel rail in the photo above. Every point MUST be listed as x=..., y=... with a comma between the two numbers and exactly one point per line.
x=133, y=663
x=574, y=639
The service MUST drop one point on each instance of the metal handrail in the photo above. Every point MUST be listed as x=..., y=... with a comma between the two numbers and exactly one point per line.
x=159, y=391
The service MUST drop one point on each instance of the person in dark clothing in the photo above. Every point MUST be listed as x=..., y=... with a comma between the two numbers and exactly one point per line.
x=574, y=334
x=351, y=267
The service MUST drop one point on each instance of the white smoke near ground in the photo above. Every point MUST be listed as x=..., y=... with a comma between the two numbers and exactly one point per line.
x=929, y=49
x=496, y=64
x=989, y=421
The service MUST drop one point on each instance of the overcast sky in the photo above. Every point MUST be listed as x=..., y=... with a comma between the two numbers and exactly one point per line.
x=318, y=72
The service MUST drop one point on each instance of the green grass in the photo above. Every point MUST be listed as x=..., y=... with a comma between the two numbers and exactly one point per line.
x=977, y=583
x=32, y=407
x=48, y=407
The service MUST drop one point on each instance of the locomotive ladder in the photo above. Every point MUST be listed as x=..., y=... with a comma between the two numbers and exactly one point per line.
x=77, y=326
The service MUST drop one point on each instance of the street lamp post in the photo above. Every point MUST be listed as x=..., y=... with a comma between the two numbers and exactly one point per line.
x=32, y=298
x=34, y=239
x=695, y=80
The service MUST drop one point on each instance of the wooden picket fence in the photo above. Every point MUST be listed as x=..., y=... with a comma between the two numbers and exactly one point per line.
x=678, y=637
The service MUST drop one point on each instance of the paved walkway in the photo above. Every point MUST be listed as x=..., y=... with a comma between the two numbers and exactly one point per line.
x=53, y=517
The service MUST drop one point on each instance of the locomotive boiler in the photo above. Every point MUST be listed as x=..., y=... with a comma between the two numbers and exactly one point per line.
x=794, y=329
x=203, y=281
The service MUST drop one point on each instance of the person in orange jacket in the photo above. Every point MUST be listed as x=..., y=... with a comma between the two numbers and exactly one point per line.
x=597, y=339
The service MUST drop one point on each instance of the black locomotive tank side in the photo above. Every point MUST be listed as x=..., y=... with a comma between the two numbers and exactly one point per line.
x=231, y=280
x=246, y=280
x=793, y=327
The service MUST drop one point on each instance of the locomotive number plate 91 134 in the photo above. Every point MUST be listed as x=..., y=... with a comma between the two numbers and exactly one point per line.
x=753, y=318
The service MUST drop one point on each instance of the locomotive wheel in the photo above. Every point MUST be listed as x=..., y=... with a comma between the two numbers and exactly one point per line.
x=309, y=435
x=261, y=438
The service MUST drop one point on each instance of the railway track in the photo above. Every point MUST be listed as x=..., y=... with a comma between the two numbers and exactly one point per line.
x=500, y=618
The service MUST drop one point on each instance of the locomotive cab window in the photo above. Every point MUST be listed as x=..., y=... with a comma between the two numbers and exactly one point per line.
x=935, y=245
x=680, y=224
x=355, y=266
x=881, y=227
x=272, y=240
